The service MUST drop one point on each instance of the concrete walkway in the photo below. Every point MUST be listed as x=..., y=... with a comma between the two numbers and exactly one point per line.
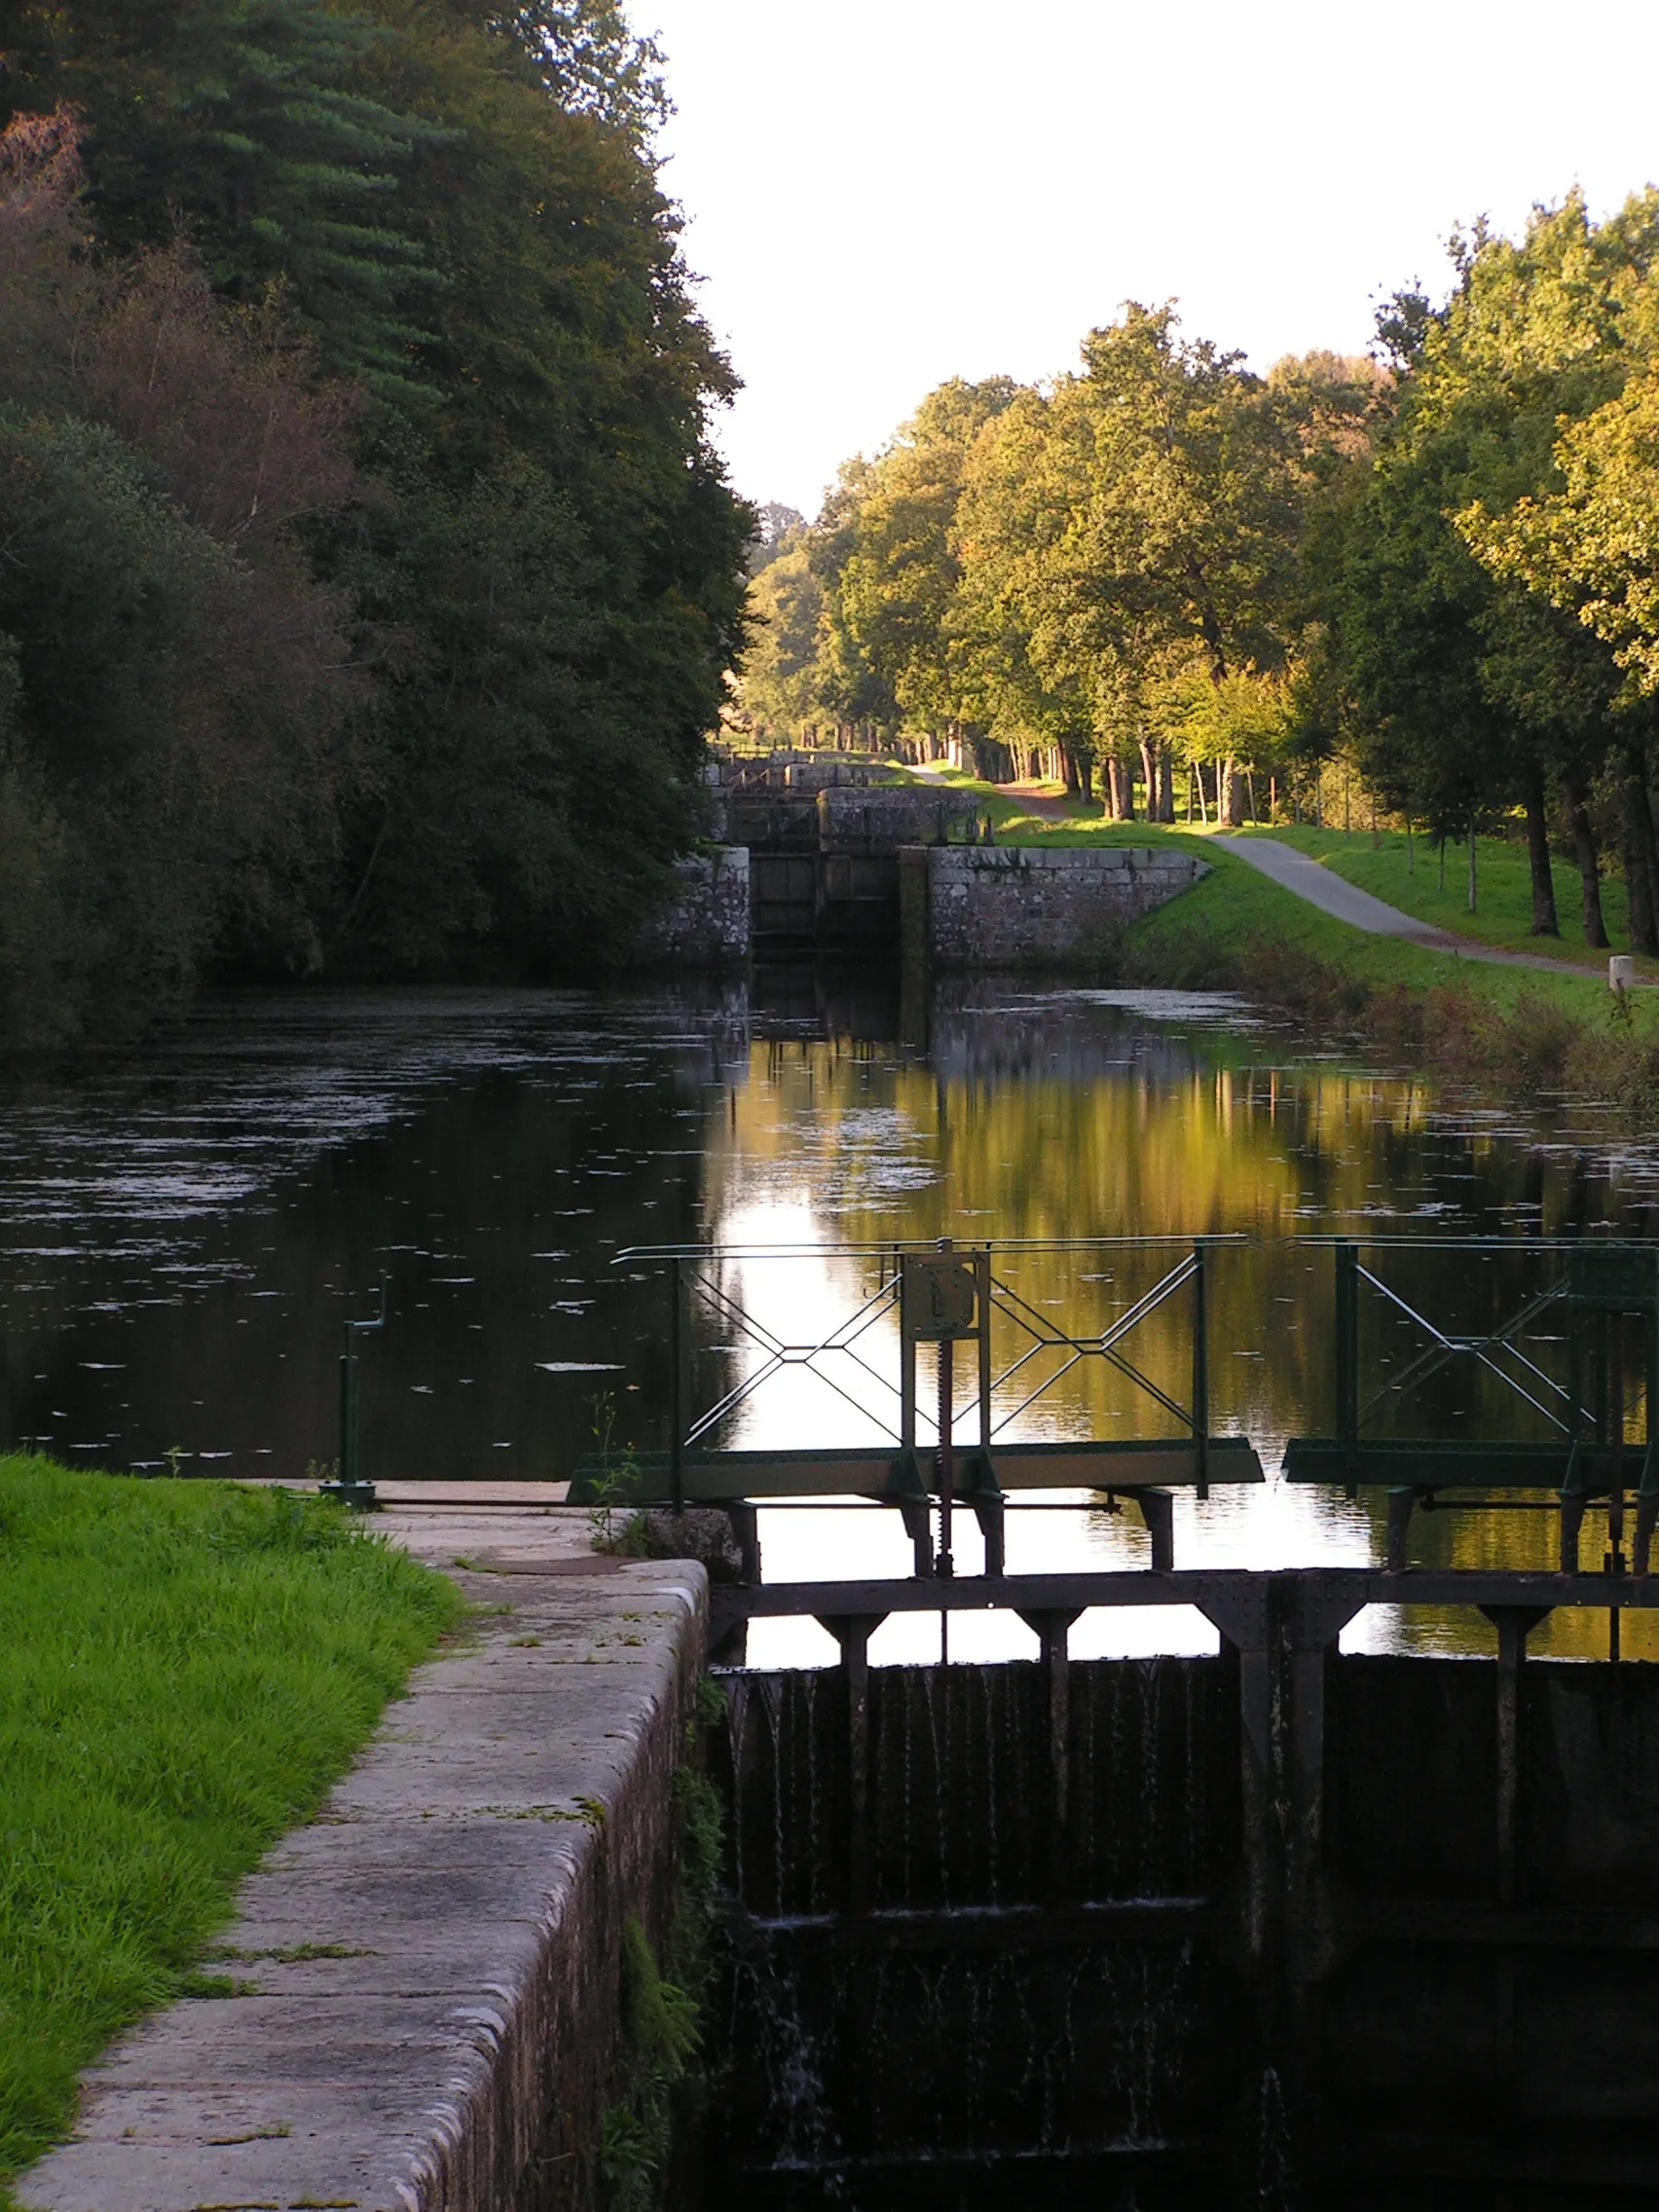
x=428, y=1971
x=1332, y=894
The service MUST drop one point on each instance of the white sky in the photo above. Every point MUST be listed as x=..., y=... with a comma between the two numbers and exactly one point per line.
x=885, y=193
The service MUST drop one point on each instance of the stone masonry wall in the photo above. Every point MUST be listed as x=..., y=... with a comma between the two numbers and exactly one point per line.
x=1016, y=906
x=706, y=925
x=907, y=813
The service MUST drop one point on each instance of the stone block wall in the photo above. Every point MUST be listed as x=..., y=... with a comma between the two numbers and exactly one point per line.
x=970, y=906
x=907, y=814
x=706, y=924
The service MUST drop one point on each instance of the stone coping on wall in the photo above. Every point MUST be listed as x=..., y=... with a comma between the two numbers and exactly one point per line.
x=430, y=1967
x=1088, y=860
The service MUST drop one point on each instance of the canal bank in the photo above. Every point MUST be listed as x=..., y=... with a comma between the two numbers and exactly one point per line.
x=1516, y=1019
x=426, y=1986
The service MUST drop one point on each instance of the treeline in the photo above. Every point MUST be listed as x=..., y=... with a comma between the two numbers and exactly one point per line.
x=1437, y=566
x=367, y=580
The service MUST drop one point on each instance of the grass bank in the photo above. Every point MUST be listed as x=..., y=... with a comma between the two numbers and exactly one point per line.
x=1410, y=879
x=1524, y=1031
x=185, y=1666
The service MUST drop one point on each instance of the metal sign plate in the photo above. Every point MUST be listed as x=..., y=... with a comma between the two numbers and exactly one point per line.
x=941, y=1300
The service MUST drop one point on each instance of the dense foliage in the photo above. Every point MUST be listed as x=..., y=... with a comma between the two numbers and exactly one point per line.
x=1439, y=566
x=370, y=578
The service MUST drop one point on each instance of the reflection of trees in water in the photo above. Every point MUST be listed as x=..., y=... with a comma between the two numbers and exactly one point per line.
x=1068, y=1120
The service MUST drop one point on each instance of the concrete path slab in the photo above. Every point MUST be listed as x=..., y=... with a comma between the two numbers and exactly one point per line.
x=430, y=1967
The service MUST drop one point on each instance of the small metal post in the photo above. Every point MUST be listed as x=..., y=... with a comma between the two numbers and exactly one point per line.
x=907, y=1366
x=1572, y=1484
x=945, y=1563
x=1648, y=1494
x=1200, y=1371
x=677, y=1389
x=1615, y=1560
x=1347, y=1358
x=982, y=1282
x=349, y=1428
x=349, y=1488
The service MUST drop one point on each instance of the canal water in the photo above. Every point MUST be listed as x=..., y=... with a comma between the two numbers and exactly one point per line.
x=183, y=1236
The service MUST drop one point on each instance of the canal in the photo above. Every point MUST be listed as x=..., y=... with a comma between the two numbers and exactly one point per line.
x=184, y=1235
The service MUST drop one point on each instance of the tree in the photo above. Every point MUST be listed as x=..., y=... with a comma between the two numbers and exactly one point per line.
x=240, y=117
x=433, y=238
x=896, y=579
x=176, y=686
x=1464, y=692
x=1147, y=511
x=782, y=683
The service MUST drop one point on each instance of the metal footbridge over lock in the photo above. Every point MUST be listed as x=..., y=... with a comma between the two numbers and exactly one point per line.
x=931, y=1463
x=1470, y=1375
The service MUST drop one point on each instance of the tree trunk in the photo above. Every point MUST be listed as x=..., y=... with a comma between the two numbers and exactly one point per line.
x=1114, y=793
x=1589, y=861
x=1196, y=782
x=1471, y=864
x=1149, y=778
x=1127, y=776
x=1640, y=879
x=1166, y=787
x=1235, y=786
x=1545, y=921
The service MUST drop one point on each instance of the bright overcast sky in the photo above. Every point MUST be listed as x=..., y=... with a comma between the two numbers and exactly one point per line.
x=882, y=194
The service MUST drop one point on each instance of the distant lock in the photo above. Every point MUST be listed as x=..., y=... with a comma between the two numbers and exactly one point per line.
x=941, y=1300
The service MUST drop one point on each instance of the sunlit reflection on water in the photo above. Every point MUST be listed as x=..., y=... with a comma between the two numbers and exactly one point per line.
x=183, y=1236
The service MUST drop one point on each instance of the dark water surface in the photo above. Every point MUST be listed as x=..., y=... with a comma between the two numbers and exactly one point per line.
x=182, y=1236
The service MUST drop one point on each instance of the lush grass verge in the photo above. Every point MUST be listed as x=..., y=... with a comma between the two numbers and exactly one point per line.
x=184, y=1669
x=1503, y=913
x=1524, y=1031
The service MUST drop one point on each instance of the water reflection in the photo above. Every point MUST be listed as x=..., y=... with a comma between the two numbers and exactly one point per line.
x=184, y=1237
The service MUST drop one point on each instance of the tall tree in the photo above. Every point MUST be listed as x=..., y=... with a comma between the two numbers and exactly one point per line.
x=1464, y=694
x=1146, y=513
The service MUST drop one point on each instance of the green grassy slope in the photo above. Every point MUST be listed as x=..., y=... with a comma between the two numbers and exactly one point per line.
x=1213, y=935
x=1504, y=890
x=185, y=1666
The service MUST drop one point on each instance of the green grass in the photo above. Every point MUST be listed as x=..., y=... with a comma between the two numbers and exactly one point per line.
x=1237, y=908
x=185, y=1666
x=1504, y=890
x=1523, y=1029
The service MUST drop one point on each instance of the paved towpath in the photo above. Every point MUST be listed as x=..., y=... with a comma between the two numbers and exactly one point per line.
x=1332, y=894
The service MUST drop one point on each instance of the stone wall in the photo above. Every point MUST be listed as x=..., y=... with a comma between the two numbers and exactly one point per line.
x=706, y=925
x=907, y=814
x=1017, y=906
